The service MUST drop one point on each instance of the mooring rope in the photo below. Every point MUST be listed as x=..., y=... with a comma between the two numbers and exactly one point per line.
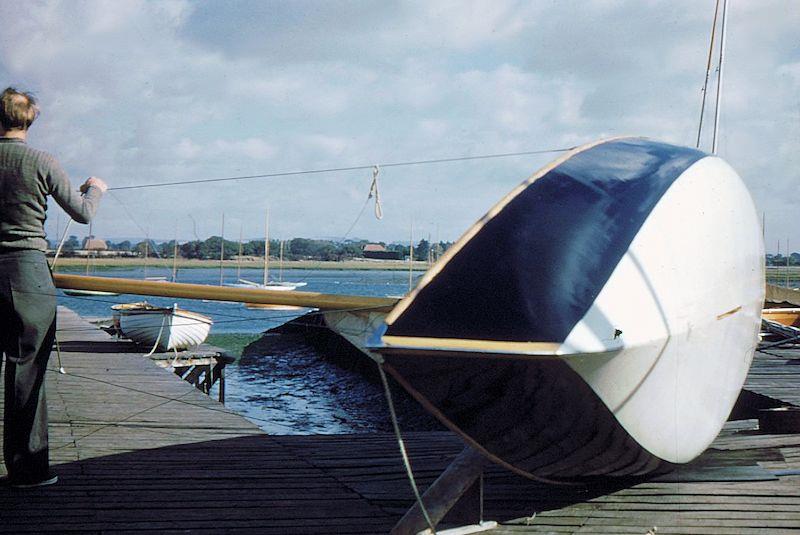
x=341, y=169
x=406, y=461
x=160, y=331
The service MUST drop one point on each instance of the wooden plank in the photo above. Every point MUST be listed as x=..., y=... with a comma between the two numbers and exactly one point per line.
x=139, y=450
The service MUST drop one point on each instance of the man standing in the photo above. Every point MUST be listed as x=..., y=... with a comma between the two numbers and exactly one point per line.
x=27, y=294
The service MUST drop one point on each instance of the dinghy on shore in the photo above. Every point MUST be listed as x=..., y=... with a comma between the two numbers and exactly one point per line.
x=599, y=320
x=162, y=328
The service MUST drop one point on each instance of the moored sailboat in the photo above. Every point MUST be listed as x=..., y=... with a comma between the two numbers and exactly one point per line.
x=267, y=284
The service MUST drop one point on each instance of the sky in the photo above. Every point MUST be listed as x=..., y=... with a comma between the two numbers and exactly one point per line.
x=138, y=92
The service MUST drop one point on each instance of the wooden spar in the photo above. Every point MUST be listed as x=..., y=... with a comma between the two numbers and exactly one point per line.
x=443, y=493
x=222, y=293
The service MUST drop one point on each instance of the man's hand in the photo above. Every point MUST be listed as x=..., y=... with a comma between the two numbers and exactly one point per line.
x=96, y=182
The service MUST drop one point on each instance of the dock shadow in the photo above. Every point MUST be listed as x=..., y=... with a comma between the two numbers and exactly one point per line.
x=110, y=346
x=245, y=482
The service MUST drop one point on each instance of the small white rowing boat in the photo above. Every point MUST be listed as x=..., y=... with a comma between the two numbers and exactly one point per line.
x=163, y=328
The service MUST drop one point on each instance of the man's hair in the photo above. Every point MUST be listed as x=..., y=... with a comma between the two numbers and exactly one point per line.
x=17, y=109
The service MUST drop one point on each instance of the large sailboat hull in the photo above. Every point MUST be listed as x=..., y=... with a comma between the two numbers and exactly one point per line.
x=599, y=321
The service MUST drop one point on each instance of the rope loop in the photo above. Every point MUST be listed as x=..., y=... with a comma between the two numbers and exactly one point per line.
x=373, y=191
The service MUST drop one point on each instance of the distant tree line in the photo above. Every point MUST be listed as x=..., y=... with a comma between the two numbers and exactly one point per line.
x=294, y=249
x=302, y=249
x=780, y=260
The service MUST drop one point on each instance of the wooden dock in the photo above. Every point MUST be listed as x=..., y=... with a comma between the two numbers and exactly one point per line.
x=138, y=449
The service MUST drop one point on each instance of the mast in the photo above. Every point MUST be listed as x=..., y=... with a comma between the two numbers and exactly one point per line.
x=719, y=76
x=280, y=265
x=411, y=256
x=266, y=247
x=222, y=251
x=88, y=242
x=146, y=252
x=708, y=70
x=239, y=257
x=788, y=255
x=175, y=256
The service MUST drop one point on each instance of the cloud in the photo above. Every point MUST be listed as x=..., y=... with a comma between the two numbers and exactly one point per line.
x=140, y=92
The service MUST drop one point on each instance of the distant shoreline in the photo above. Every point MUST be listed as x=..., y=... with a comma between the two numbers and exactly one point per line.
x=183, y=263
x=392, y=265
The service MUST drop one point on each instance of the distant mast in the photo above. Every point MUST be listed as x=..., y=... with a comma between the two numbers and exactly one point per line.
x=411, y=256
x=280, y=264
x=222, y=251
x=239, y=256
x=88, y=244
x=266, y=247
x=175, y=256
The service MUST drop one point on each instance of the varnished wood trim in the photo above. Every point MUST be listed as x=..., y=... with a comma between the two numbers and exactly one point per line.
x=479, y=346
x=729, y=313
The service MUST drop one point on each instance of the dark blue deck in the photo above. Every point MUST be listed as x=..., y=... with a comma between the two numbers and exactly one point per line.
x=532, y=271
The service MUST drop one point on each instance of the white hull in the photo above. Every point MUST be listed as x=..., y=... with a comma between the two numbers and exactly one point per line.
x=689, y=313
x=616, y=335
x=275, y=286
x=163, y=328
x=89, y=293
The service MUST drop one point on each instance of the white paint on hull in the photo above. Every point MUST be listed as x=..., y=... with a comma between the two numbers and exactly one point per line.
x=173, y=328
x=687, y=298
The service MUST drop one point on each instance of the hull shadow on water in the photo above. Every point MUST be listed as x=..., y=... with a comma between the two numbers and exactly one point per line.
x=303, y=379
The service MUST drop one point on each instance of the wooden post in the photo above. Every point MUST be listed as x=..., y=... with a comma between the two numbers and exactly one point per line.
x=443, y=493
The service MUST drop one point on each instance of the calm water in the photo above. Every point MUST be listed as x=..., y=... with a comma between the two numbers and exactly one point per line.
x=280, y=381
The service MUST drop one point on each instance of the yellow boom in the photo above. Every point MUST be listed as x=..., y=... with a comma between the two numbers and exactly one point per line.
x=222, y=293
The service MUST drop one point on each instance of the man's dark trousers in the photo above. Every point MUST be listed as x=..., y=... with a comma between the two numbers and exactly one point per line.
x=27, y=332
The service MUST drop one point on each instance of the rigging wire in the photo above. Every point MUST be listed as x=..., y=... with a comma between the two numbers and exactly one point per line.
x=341, y=169
x=135, y=222
x=708, y=71
x=718, y=103
x=60, y=244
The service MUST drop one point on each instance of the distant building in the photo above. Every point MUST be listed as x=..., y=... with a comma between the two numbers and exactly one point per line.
x=376, y=251
x=90, y=243
x=95, y=247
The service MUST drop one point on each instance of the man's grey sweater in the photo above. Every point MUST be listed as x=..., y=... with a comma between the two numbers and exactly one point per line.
x=27, y=177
